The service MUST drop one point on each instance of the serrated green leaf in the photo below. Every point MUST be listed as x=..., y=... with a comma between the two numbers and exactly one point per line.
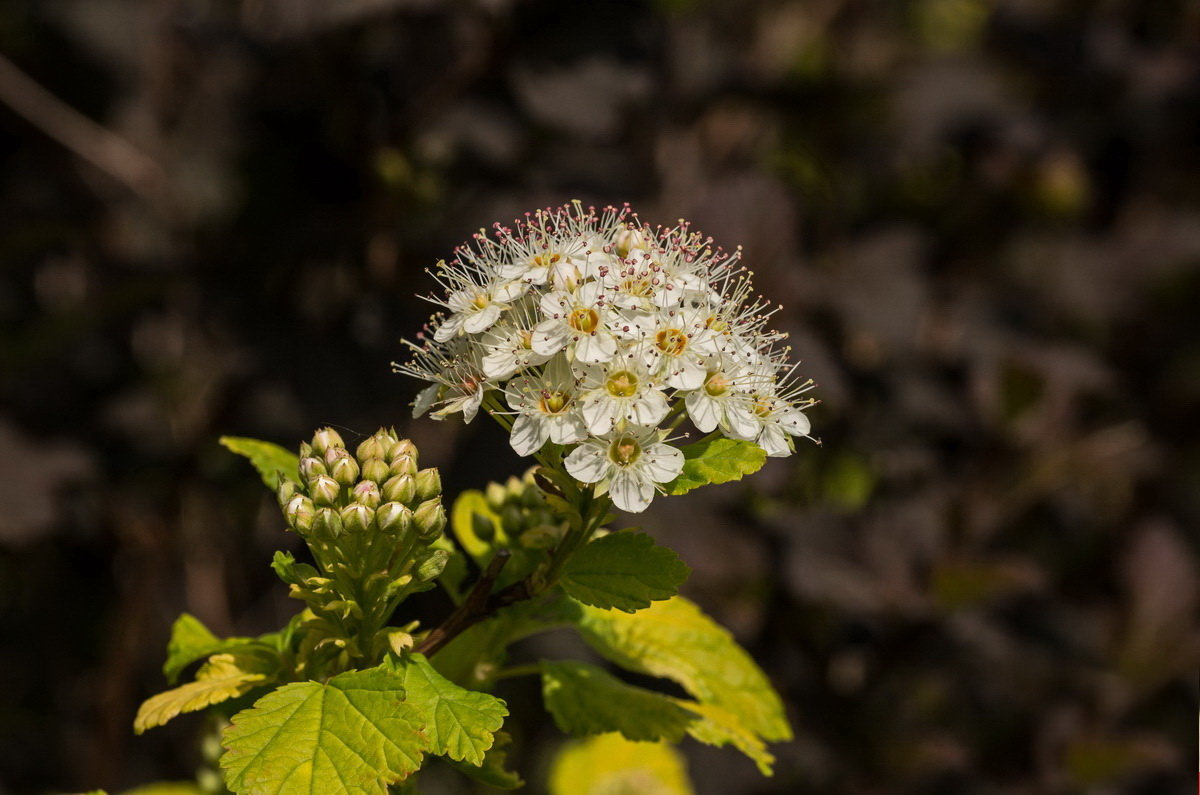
x=718, y=460
x=354, y=733
x=609, y=764
x=268, y=458
x=223, y=677
x=718, y=726
x=623, y=570
x=475, y=656
x=460, y=723
x=192, y=641
x=494, y=771
x=585, y=699
x=166, y=788
x=674, y=639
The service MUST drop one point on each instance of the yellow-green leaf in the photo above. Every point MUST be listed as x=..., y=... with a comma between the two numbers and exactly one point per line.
x=223, y=677
x=269, y=459
x=494, y=771
x=608, y=764
x=354, y=733
x=717, y=460
x=460, y=723
x=623, y=570
x=585, y=699
x=674, y=639
x=191, y=641
x=718, y=726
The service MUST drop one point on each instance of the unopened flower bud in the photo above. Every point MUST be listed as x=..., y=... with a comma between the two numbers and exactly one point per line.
x=515, y=488
x=344, y=469
x=496, y=496
x=431, y=565
x=429, y=484
x=430, y=519
x=370, y=448
x=404, y=465
x=357, y=518
x=375, y=469
x=366, y=493
x=311, y=467
x=402, y=448
x=483, y=527
x=324, y=490
x=325, y=439
x=393, y=518
x=300, y=513
x=540, y=537
x=327, y=524
x=401, y=488
x=286, y=489
x=512, y=520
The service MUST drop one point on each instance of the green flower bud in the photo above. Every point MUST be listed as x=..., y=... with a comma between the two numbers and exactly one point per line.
x=327, y=524
x=404, y=465
x=375, y=469
x=305, y=449
x=287, y=488
x=357, y=518
x=370, y=448
x=402, y=448
x=540, y=537
x=325, y=439
x=483, y=527
x=324, y=490
x=429, y=484
x=300, y=513
x=366, y=493
x=393, y=518
x=401, y=488
x=431, y=565
x=430, y=519
x=515, y=488
x=344, y=469
x=496, y=496
x=311, y=467
x=512, y=520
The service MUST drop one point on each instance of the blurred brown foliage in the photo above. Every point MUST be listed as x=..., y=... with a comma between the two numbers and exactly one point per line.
x=982, y=219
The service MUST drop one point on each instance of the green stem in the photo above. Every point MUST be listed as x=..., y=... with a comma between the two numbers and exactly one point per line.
x=532, y=669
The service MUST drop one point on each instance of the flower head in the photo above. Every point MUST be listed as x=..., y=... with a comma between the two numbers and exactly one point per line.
x=602, y=334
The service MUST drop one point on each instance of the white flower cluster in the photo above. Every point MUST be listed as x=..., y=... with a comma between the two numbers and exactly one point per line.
x=600, y=333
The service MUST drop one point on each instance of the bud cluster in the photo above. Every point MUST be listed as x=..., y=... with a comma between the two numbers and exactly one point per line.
x=526, y=520
x=371, y=519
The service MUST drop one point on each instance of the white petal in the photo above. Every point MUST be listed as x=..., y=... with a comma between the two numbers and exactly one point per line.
x=704, y=410
x=597, y=411
x=510, y=291
x=795, y=422
x=481, y=320
x=649, y=409
x=740, y=422
x=566, y=429
x=528, y=435
x=774, y=441
x=449, y=328
x=686, y=373
x=662, y=463
x=549, y=337
x=501, y=363
x=425, y=400
x=630, y=493
x=598, y=347
x=555, y=303
x=588, y=462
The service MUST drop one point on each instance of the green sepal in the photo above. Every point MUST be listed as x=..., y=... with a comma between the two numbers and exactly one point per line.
x=625, y=570
x=268, y=458
x=716, y=460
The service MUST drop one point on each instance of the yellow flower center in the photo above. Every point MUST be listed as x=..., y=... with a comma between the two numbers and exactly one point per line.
x=526, y=339
x=622, y=385
x=764, y=406
x=554, y=402
x=717, y=324
x=716, y=384
x=583, y=319
x=545, y=260
x=480, y=301
x=671, y=341
x=624, y=450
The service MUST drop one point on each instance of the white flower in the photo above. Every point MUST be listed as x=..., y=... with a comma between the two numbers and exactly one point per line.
x=581, y=318
x=630, y=463
x=620, y=391
x=676, y=344
x=475, y=308
x=723, y=400
x=546, y=407
x=508, y=345
x=459, y=383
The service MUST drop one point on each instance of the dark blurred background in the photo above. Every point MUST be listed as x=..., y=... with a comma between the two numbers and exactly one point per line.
x=983, y=221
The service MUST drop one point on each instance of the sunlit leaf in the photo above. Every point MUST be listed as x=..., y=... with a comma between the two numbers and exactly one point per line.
x=623, y=570
x=269, y=459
